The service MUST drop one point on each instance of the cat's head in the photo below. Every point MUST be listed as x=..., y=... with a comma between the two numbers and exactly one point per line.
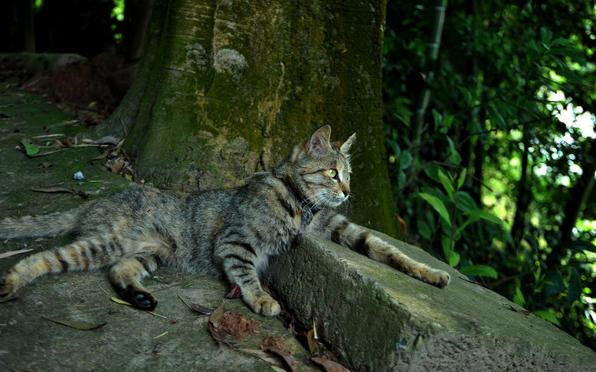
x=321, y=170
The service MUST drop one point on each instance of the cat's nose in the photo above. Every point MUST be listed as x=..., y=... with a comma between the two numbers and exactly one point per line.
x=345, y=189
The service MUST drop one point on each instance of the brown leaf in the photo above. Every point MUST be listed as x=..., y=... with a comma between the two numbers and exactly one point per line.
x=203, y=310
x=235, y=292
x=215, y=329
x=288, y=359
x=12, y=253
x=263, y=356
x=329, y=365
x=77, y=324
x=238, y=326
x=197, y=308
x=276, y=342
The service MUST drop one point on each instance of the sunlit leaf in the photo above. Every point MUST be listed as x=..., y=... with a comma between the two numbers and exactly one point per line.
x=548, y=315
x=518, y=296
x=480, y=270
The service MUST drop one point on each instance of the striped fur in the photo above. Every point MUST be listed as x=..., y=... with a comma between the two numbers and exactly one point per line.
x=337, y=228
x=229, y=232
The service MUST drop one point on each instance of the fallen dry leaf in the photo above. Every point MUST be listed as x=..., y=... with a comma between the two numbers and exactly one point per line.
x=119, y=301
x=276, y=342
x=217, y=333
x=12, y=253
x=329, y=365
x=197, y=308
x=235, y=292
x=238, y=326
x=288, y=359
x=77, y=324
x=263, y=356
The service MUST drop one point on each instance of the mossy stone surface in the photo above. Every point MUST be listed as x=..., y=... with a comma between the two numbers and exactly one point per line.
x=381, y=319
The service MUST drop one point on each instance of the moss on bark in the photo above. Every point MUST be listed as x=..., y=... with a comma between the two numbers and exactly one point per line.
x=226, y=88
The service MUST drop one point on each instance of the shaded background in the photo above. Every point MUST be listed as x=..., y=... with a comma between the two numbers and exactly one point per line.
x=489, y=127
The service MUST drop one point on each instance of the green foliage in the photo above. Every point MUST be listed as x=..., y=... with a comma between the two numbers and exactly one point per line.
x=505, y=141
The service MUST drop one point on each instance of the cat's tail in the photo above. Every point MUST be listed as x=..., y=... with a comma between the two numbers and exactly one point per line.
x=53, y=224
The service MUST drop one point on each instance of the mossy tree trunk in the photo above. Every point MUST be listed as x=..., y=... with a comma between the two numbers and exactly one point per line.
x=226, y=88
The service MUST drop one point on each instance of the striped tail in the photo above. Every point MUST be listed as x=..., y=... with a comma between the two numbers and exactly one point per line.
x=81, y=255
x=53, y=224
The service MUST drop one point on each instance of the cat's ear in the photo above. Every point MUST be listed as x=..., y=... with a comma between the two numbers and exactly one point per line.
x=319, y=143
x=345, y=147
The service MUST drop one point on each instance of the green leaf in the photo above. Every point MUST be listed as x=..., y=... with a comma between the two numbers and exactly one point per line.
x=548, y=315
x=454, y=156
x=405, y=160
x=464, y=202
x=432, y=172
x=438, y=206
x=484, y=215
x=424, y=230
x=30, y=149
x=446, y=182
x=462, y=178
x=518, y=297
x=437, y=118
x=480, y=270
x=461, y=228
x=451, y=256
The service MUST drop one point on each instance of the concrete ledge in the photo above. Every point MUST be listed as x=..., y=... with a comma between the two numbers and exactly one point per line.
x=381, y=319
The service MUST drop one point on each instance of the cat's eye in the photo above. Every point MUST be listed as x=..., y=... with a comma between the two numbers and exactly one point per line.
x=332, y=173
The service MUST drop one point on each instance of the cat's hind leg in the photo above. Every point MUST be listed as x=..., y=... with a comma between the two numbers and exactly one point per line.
x=126, y=276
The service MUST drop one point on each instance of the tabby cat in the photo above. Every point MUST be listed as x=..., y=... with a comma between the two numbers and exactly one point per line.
x=231, y=231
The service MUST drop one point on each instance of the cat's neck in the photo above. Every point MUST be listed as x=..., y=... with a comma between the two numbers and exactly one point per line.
x=307, y=207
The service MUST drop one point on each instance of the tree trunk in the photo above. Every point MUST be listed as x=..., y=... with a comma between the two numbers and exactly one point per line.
x=136, y=22
x=578, y=195
x=227, y=88
x=524, y=194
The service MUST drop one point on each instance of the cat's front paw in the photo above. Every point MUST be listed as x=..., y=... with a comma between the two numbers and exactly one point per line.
x=439, y=278
x=8, y=288
x=263, y=303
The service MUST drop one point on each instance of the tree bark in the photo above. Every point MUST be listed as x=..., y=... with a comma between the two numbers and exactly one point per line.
x=578, y=194
x=524, y=193
x=227, y=88
x=137, y=14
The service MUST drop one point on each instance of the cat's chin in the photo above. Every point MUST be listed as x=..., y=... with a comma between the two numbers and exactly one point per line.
x=335, y=203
